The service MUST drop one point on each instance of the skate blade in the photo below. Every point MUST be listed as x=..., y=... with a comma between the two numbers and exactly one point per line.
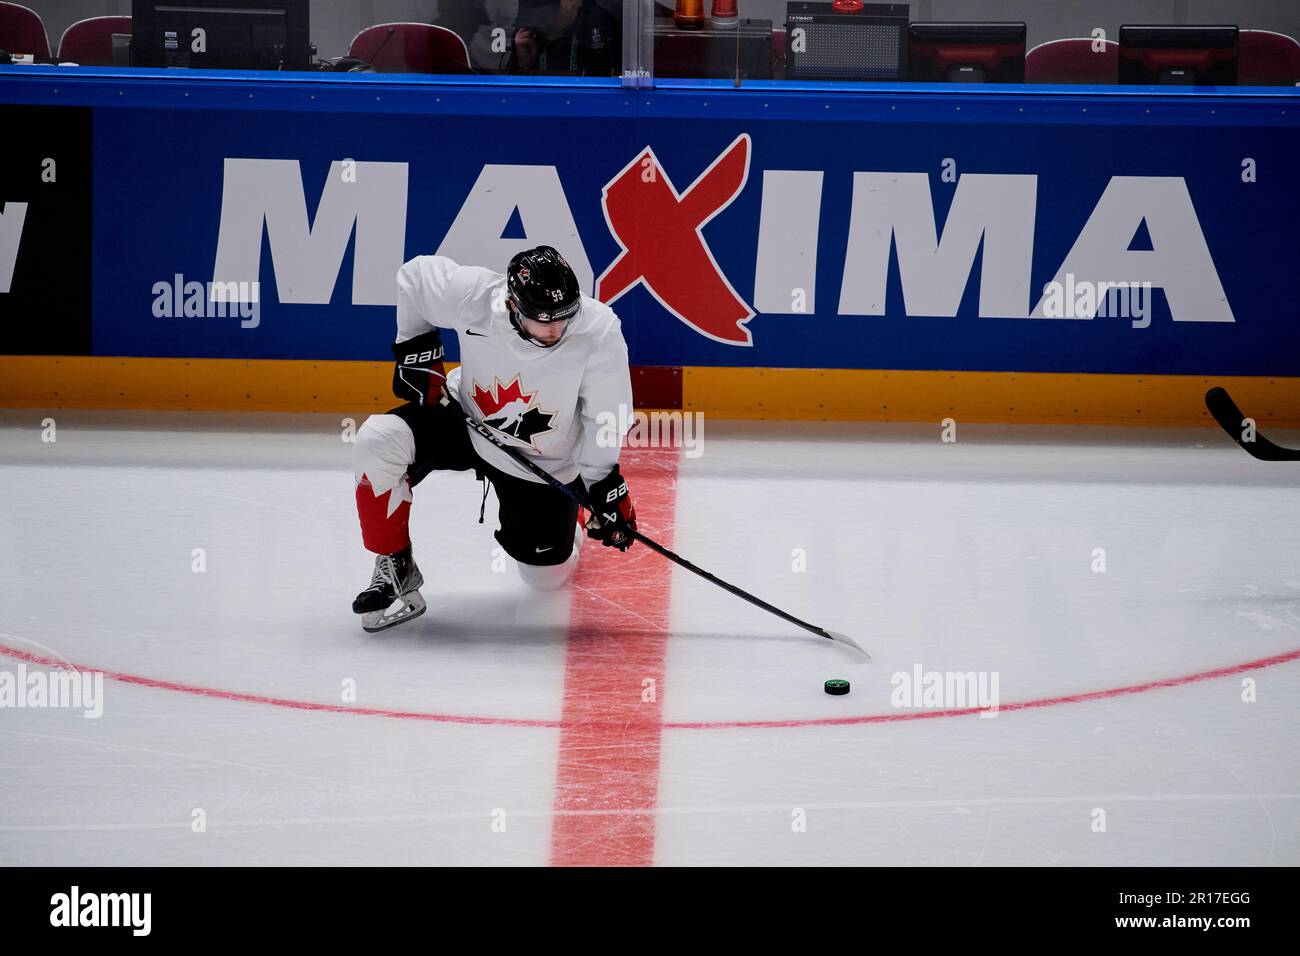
x=408, y=607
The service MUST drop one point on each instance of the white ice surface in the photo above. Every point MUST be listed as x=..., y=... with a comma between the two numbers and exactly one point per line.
x=973, y=556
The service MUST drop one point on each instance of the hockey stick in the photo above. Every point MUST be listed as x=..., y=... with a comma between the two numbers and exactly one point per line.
x=1232, y=421
x=558, y=485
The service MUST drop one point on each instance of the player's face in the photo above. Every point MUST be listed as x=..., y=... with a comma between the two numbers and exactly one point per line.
x=544, y=334
x=548, y=333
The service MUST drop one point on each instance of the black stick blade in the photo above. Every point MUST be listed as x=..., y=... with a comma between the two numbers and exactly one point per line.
x=1232, y=421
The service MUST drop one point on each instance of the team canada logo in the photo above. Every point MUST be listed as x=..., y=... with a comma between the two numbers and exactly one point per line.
x=513, y=412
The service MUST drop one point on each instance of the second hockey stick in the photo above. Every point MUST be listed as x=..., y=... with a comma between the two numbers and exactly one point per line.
x=655, y=546
x=1238, y=427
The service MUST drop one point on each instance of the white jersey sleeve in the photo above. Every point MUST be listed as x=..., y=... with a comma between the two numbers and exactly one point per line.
x=435, y=292
x=604, y=404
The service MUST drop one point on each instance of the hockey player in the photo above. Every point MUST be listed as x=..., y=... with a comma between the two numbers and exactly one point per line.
x=540, y=362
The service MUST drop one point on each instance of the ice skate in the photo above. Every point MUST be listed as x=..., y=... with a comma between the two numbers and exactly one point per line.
x=393, y=595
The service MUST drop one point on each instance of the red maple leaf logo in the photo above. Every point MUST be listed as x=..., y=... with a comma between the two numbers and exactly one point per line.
x=492, y=400
x=512, y=412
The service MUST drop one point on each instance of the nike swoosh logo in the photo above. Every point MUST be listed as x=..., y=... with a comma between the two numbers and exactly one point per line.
x=540, y=550
x=472, y=332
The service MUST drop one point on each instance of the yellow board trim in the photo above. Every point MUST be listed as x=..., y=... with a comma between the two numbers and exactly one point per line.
x=1025, y=397
x=37, y=381
x=274, y=385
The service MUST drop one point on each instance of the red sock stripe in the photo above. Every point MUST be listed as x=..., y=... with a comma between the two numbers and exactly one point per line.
x=381, y=532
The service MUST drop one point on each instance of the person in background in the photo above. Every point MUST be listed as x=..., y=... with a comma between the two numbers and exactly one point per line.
x=477, y=23
x=581, y=37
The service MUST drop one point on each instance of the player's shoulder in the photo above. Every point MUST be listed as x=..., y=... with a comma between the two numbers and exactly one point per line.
x=597, y=320
x=460, y=296
x=428, y=264
x=445, y=271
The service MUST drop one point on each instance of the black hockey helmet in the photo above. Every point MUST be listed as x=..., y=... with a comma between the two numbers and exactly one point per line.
x=542, y=287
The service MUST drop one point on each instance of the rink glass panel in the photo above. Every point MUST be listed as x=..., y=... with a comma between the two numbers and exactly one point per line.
x=641, y=41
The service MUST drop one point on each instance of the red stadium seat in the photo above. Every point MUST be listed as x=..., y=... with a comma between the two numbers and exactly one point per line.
x=1072, y=61
x=411, y=48
x=1265, y=58
x=91, y=40
x=22, y=31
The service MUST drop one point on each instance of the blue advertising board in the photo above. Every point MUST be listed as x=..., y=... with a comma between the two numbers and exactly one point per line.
x=1048, y=229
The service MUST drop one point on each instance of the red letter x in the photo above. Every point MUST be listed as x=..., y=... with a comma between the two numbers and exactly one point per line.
x=659, y=230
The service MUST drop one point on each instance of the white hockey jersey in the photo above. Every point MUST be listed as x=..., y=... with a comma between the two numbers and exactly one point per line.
x=546, y=402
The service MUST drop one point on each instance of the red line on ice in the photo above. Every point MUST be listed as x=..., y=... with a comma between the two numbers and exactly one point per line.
x=15, y=653
x=200, y=691
x=612, y=722
x=1021, y=705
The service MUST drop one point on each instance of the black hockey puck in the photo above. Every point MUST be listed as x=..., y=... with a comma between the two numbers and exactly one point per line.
x=837, y=687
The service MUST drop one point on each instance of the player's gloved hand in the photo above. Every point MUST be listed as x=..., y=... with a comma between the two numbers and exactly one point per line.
x=614, y=520
x=420, y=375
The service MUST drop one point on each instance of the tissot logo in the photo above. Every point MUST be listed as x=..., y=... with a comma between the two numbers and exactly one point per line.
x=992, y=219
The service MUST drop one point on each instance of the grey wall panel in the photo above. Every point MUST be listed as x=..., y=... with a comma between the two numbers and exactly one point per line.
x=1055, y=19
x=335, y=22
x=1282, y=16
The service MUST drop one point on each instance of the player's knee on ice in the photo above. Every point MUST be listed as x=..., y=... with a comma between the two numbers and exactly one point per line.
x=552, y=577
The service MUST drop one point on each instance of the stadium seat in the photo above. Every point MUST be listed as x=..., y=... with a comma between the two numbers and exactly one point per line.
x=1265, y=58
x=22, y=31
x=411, y=48
x=1072, y=61
x=91, y=40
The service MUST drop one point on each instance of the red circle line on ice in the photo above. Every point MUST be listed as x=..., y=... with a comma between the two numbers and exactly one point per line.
x=26, y=656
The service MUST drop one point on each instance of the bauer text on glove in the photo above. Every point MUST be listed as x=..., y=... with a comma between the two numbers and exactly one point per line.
x=419, y=374
x=614, y=519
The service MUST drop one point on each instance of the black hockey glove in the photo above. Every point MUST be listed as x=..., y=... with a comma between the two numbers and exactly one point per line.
x=615, y=518
x=419, y=375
